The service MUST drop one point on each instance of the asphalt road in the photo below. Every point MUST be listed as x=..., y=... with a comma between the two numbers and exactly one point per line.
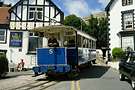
x=97, y=77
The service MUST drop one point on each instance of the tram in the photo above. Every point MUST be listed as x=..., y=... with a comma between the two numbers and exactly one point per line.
x=75, y=48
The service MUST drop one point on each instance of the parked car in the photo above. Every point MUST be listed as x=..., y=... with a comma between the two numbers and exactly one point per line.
x=127, y=68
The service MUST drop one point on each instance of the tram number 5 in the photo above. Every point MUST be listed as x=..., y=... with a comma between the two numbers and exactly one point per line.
x=50, y=51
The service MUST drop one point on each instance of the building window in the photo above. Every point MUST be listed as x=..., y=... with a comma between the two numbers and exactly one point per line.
x=34, y=42
x=127, y=2
x=35, y=13
x=128, y=21
x=2, y=35
x=127, y=42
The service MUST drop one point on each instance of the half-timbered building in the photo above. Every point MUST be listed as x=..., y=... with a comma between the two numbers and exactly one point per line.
x=24, y=16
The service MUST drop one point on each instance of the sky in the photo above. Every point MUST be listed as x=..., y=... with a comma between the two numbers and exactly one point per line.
x=81, y=8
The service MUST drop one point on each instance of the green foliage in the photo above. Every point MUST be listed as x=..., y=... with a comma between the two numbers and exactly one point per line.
x=98, y=28
x=117, y=53
x=3, y=64
x=76, y=22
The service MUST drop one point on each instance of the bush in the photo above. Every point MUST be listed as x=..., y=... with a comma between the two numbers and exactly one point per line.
x=3, y=64
x=117, y=53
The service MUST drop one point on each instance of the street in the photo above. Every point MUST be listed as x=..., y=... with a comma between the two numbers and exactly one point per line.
x=98, y=77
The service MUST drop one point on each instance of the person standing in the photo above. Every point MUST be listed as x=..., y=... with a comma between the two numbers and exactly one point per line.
x=20, y=66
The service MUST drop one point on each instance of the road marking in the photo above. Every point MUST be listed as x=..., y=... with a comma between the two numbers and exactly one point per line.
x=72, y=85
x=78, y=85
x=75, y=85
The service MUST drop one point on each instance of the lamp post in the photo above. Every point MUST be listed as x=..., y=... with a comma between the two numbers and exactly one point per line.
x=81, y=20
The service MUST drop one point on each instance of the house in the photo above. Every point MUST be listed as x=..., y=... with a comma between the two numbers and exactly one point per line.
x=4, y=26
x=24, y=16
x=121, y=16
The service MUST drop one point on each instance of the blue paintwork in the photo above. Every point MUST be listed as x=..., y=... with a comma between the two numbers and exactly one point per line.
x=56, y=69
x=54, y=60
x=49, y=56
x=61, y=60
x=72, y=56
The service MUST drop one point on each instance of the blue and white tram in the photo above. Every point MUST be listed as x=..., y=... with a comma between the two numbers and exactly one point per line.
x=75, y=49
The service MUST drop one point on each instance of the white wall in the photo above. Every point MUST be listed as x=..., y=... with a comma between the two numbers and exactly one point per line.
x=16, y=56
x=13, y=53
x=30, y=25
x=116, y=22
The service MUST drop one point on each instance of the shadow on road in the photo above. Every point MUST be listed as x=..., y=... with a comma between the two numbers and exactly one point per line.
x=16, y=74
x=95, y=71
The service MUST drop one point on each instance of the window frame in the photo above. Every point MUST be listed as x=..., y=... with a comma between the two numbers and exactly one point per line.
x=37, y=16
x=127, y=2
x=35, y=45
x=128, y=20
x=4, y=35
x=35, y=13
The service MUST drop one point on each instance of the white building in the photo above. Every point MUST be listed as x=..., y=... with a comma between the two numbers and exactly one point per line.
x=24, y=16
x=121, y=14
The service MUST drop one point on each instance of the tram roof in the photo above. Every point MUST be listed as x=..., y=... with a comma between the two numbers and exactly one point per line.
x=61, y=27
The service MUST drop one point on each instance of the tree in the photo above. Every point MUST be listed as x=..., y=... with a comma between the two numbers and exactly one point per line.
x=76, y=22
x=98, y=29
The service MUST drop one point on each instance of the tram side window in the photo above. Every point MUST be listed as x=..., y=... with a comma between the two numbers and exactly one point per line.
x=94, y=44
x=87, y=44
x=91, y=44
x=79, y=40
x=83, y=43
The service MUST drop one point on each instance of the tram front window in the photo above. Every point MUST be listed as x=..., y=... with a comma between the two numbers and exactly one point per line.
x=69, y=41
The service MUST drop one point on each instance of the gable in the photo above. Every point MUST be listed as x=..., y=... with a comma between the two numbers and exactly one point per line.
x=25, y=10
x=107, y=8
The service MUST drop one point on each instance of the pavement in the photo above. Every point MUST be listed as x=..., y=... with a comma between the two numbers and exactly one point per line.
x=113, y=64
x=21, y=73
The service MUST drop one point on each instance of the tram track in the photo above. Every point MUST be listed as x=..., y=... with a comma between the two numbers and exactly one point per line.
x=36, y=85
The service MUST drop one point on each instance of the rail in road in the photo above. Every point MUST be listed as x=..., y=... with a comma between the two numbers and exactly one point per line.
x=27, y=83
x=37, y=85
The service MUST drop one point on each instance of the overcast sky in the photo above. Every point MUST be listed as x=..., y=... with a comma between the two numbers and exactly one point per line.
x=81, y=8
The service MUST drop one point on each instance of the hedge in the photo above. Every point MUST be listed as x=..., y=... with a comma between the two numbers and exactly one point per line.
x=117, y=53
x=3, y=64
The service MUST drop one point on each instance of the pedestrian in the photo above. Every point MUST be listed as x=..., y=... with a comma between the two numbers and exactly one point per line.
x=52, y=42
x=20, y=66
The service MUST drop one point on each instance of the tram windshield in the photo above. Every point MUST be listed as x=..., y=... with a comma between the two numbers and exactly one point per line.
x=57, y=37
x=61, y=38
